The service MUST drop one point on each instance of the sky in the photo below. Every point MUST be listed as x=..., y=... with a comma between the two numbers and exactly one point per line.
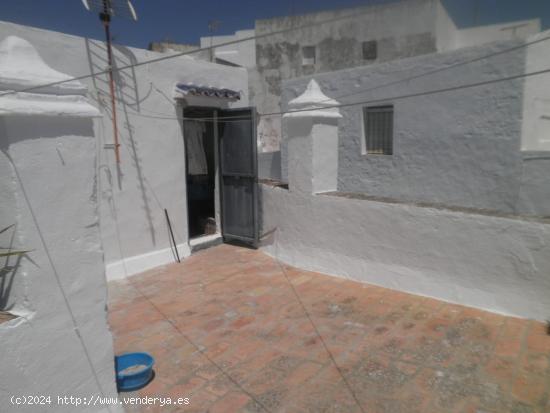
x=185, y=21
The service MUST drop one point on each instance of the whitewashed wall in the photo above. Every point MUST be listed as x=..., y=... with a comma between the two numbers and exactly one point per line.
x=494, y=263
x=48, y=175
x=242, y=53
x=474, y=36
x=536, y=110
x=78, y=210
x=458, y=148
x=151, y=175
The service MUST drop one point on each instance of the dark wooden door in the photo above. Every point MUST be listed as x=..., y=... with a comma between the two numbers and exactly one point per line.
x=239, y=175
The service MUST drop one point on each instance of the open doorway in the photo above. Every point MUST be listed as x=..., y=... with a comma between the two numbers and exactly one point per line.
x=200, y=153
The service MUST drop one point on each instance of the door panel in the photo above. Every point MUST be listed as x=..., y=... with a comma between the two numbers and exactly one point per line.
x=237, y=155
x=239, y=182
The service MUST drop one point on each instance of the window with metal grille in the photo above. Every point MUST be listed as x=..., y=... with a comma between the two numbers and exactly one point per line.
x=308, y=55
x=378, y=129
x=370, y=50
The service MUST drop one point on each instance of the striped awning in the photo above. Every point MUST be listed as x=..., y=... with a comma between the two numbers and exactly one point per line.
x=196, y=90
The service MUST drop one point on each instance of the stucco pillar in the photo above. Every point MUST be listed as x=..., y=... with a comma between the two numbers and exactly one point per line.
x=60, y=344
x=312, y=134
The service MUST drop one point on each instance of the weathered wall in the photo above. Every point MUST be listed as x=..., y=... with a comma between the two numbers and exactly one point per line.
x=402, y=29
x=458, y=148
x=151, y=175
x=269, y=165
x=48, y=191
x=494, y=263
x=534, y=192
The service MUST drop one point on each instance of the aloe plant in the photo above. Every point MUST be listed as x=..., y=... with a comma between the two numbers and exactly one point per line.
x=8, y=252
x=7, y=272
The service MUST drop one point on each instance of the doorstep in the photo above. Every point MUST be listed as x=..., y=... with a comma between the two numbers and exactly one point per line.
x=205, y=241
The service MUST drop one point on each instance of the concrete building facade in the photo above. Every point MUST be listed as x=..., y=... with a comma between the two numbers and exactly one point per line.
x=377, y=34
x=332, y=40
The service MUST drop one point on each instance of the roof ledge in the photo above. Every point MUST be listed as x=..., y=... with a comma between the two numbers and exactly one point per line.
x=313, y=103
x=22, y=68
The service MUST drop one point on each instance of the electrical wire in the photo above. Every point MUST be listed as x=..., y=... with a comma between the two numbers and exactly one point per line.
x=189, y=52
x=168, y=117
x=324, y=344
x=121, y=68
x=58, y=281
x=234, y=119
x=160, y=115
x=445, y=68
x=199, y=349
x=417, y=94
x=407, y=79
x=366, y=102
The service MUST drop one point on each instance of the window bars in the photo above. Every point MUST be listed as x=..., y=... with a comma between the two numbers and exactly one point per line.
x=378, y=127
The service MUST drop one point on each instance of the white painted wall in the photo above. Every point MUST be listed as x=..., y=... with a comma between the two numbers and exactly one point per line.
x=457, y=148
x=51, y=164
x=516, y=30
x=493, y=263
x=445, y=29
x=242, y=53
x=151, y=175
x=536, y=96
x=69, y=198
x=60, y=344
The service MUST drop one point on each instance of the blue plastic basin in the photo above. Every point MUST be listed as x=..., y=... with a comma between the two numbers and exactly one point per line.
x=128, y=381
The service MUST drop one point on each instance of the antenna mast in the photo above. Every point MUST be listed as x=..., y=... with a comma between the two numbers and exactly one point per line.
x=105, y=18
x=107, y=9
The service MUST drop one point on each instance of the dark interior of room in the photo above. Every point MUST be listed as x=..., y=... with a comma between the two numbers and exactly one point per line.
x=200, y=170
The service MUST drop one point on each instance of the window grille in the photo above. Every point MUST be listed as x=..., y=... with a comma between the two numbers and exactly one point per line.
x=370, y=50
x=308, y=55
x=378, y=124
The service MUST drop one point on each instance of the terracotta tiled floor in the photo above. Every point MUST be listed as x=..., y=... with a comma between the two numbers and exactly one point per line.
x=398, y=352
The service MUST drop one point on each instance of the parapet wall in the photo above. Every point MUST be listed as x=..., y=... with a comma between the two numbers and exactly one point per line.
x=496, y=263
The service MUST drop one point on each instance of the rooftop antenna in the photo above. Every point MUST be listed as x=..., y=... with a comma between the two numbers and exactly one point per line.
x=476, y=12
x=107, y=9
x=212, y=27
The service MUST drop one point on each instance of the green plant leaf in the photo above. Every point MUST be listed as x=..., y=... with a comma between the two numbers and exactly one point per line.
x=10, y=253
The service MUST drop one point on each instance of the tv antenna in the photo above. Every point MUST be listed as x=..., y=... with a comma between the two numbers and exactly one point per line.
x=212, y=28
x=108, y=9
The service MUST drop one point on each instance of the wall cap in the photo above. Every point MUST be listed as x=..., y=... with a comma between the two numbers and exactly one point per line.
x=21, y=67
x=313, y=98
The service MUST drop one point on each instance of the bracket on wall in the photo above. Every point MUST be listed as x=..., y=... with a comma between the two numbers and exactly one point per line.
x=110, y=145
